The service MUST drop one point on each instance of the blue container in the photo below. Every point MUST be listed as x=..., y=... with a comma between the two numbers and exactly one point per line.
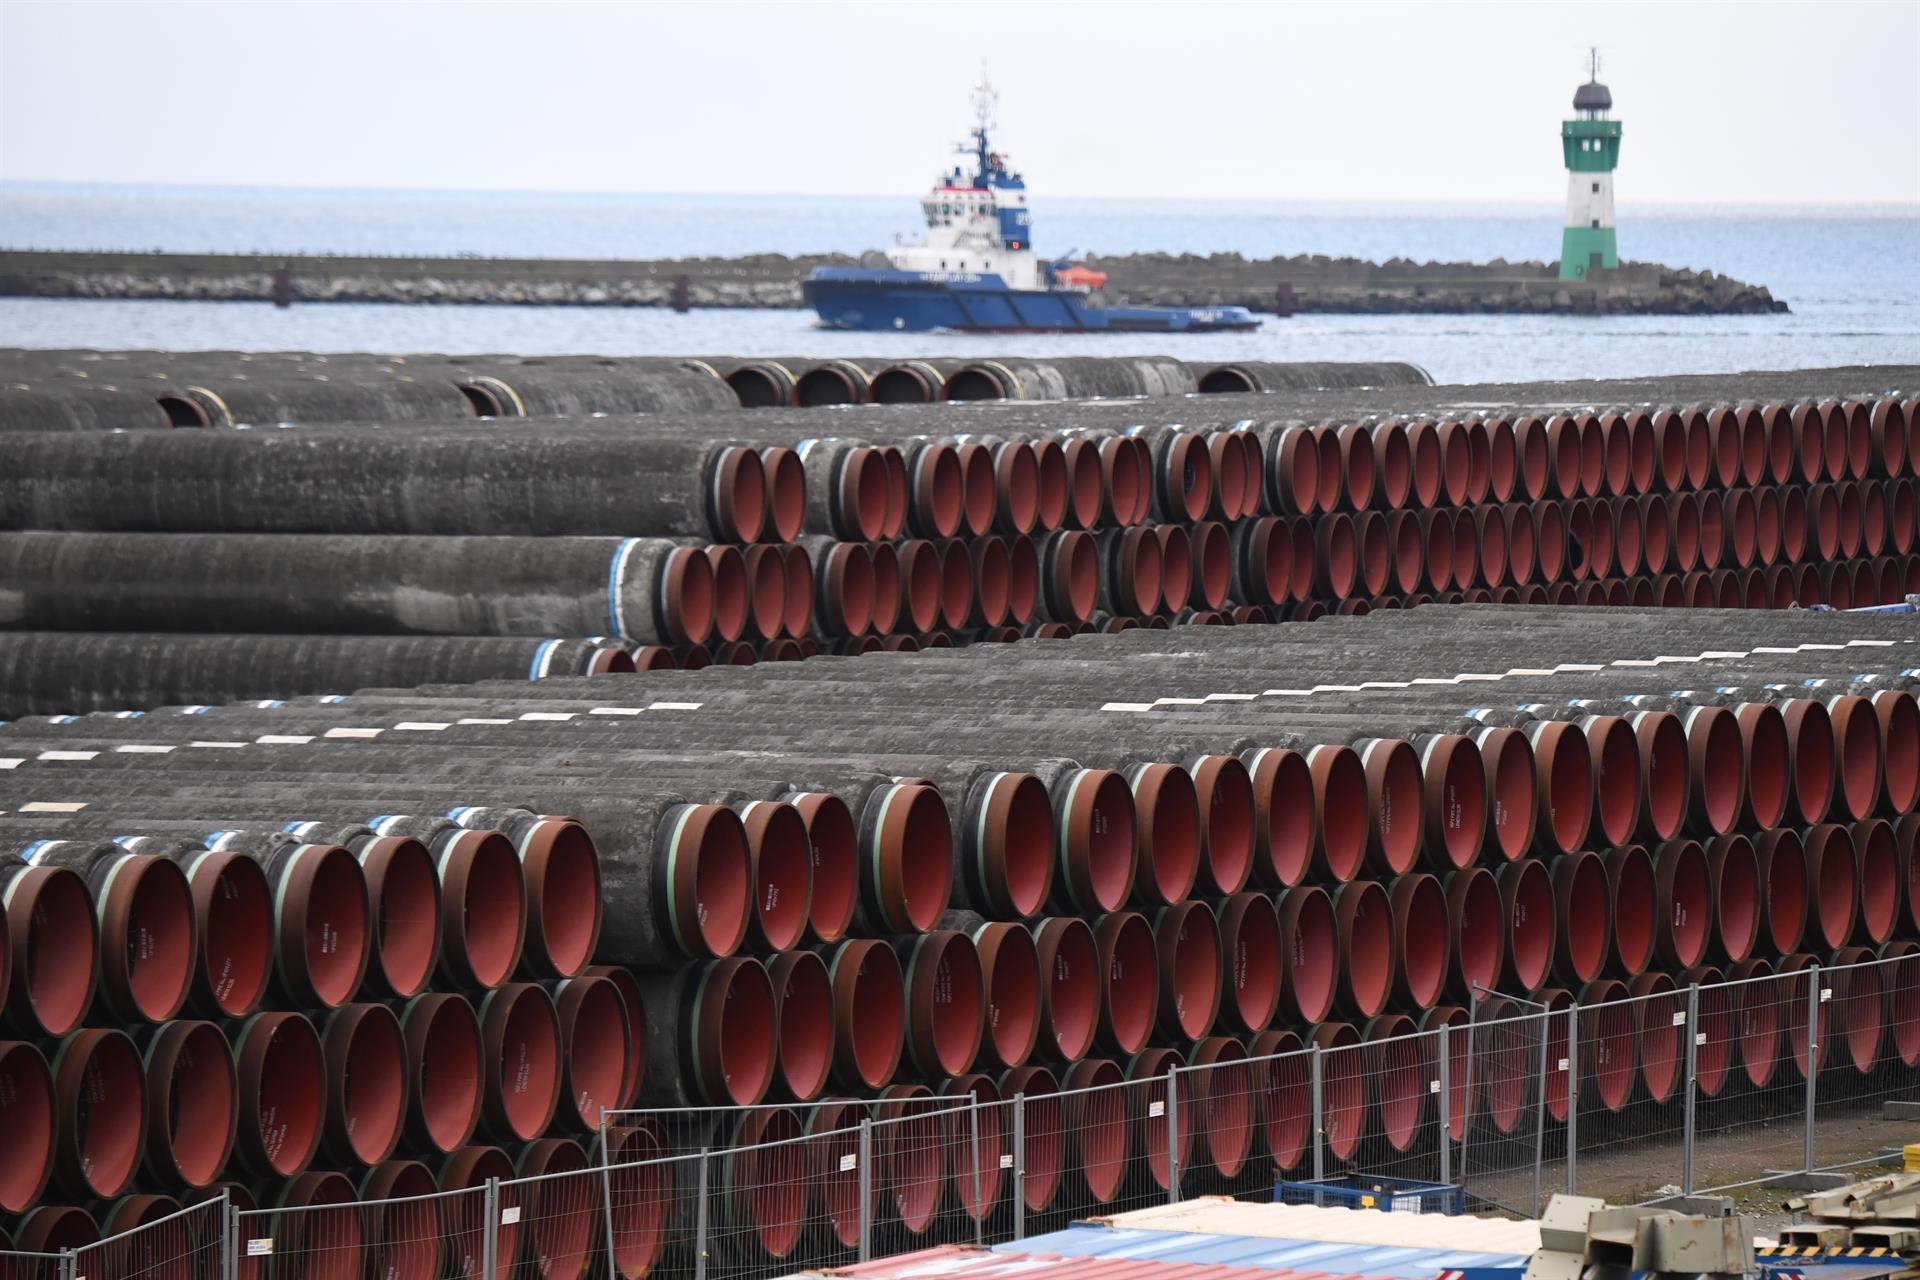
x=1354, y=1191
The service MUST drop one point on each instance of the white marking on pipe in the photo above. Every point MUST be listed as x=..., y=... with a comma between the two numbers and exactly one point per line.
x=229, y=746
x=285, y=739
x=617, y=711
x=481, y=720
x=1125, y=706
x=144, y=749
x=674, y=706
x=53, y=806
x=423, y=726
x=546, y=715
x=66, y=755
x=11, y=762
x=353, y=733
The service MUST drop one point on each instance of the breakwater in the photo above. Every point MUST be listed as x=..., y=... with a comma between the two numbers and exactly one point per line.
x=1304, y=283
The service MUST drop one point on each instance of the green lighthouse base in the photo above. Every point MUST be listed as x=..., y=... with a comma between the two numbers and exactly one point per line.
x=1584, y=250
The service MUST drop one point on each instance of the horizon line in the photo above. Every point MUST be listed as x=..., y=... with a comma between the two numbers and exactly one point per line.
x=1890, y=207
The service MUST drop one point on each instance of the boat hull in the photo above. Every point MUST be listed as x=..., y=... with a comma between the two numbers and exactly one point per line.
x=871, y=300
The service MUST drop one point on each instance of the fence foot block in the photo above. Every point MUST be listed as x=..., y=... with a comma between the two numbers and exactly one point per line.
x=1799, y=1180
x=1892, y=1110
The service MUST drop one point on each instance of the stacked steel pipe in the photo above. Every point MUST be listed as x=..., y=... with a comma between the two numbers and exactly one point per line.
x=998, y=870
x=213, y=565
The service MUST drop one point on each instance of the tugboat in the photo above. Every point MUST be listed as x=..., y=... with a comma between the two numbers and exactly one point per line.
x=976, y=271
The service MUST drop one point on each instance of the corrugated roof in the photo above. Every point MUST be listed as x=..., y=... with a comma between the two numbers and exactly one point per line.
x=964, y=1262
x=1220, y=1215
x=1269, y=1254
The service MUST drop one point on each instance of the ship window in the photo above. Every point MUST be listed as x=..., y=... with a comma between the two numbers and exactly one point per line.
x=1596, y=188
x=1596, y=224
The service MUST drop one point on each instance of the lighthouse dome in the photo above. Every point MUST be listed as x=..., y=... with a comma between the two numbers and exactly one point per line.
x=1592, y=96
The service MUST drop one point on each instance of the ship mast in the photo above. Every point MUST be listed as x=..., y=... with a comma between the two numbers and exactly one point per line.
x=985, y=99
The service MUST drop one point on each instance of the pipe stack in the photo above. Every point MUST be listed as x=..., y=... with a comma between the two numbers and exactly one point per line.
x=1024, y=868
x=427, y=550
x=106, y=390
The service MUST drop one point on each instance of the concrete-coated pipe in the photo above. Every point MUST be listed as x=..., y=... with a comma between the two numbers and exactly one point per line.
x=869, y=1029
x=1283, y=1091
x=1527, y=902
x=1476, y=932
x=446, y=1072
x=1129, y=986
x=1251, y=969
x=282, y=1071
x=52, y=939
x=1071, y=990
x=28, y=1114
x=945, y=1001
x=803, y=1015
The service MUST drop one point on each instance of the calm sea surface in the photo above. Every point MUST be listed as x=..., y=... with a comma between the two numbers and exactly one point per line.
x=1852, y=278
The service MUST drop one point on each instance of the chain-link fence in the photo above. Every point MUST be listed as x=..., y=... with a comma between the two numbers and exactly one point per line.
x=1640, y=1092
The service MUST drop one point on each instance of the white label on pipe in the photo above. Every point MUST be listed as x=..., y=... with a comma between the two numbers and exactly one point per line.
x=1006, y=1162
x=848, y=1161
x=67, y=755
x=260, y=1248
x=509, y=1215
x=1826, y=994
x=423, y=726
x=1563, y=1065
x=1433, y=1086
x=285, y=739
x=1679, y=1019
x=1699, y=1037
x=1156, y=1108
x=353, y=733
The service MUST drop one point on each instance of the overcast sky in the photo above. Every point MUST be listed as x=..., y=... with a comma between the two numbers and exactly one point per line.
x=1784, y=102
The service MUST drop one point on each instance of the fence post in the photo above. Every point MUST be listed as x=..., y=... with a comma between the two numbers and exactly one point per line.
x=973, y=1135
x=700, y=1223
x=1812, y=1064
x=490, y=1234
x=1466, y=1121
x=67, y=1268
x=1573, y=1097
x=1692, y=1100
x=1319, y=1122
x=1019, y=1166
x=1540, y=1103
x=1173, y=1136
x=229, y=1237
x=865, y=1159
x=606, y=1196
x=1445, y=1083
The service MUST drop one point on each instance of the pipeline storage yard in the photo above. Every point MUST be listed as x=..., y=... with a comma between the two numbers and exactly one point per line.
x=582, y=818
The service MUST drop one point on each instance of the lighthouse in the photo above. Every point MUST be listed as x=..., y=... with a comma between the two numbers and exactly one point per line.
x=1592, y=145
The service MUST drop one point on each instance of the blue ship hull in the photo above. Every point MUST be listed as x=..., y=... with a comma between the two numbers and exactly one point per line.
x=871, y=299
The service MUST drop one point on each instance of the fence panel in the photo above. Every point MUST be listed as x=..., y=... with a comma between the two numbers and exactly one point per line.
x=169, y=1244
x=443, y=1235
x=1499, y=1107
x=1872, y=1039
x=1752, y=1047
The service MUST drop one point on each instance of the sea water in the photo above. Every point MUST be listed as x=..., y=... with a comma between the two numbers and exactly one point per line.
x=1851, y=276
